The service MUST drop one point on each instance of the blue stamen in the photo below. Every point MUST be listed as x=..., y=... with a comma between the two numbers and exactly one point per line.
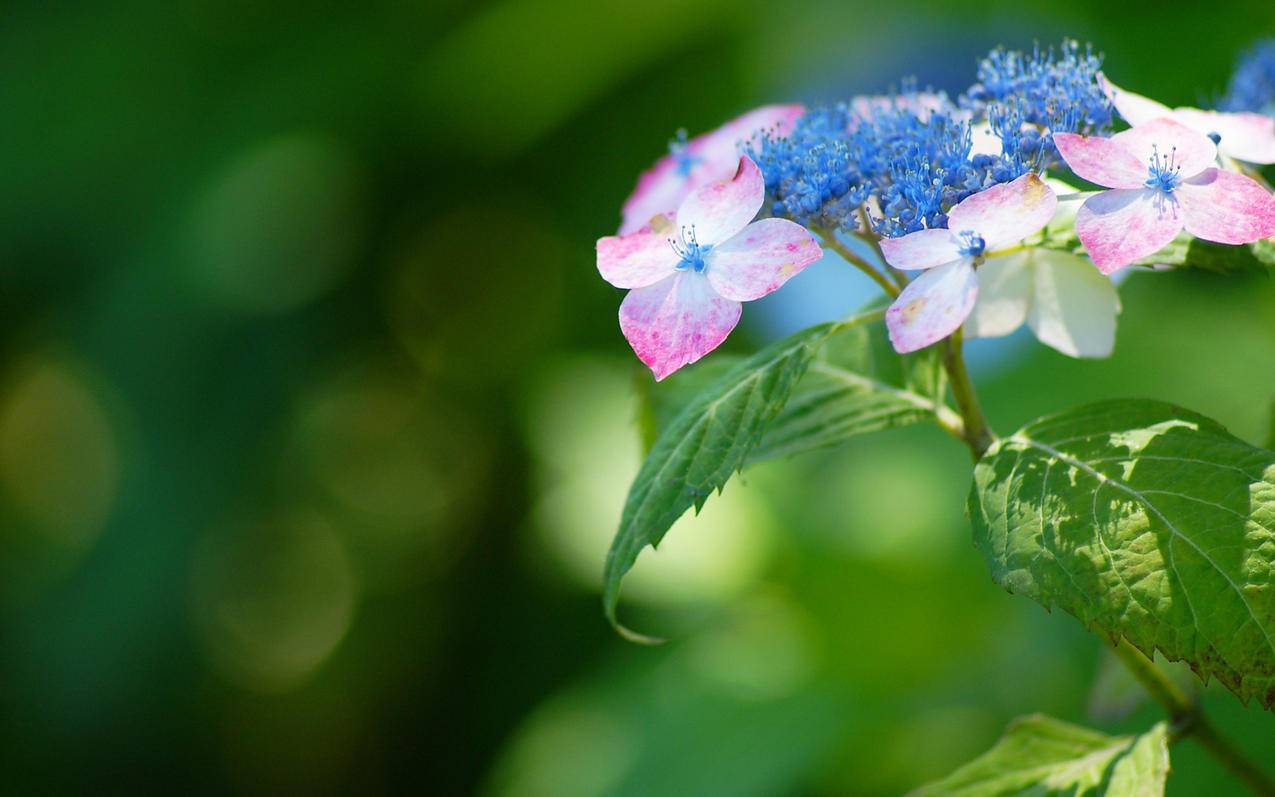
x=689, y=249
x=1163, y=173
x=972, y=244
x=1216, y=138
x=685, y=161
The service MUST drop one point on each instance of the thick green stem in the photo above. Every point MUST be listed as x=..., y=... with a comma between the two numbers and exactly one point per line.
x=1188, y=720
x=976, y=433
x=830, y=241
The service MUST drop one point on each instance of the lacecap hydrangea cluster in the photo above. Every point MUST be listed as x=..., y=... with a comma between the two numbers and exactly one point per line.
x=911, y=155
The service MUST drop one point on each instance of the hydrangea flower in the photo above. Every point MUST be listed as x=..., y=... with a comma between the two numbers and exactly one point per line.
x=936, y=303
x=1067, y=303
x=1248, y=137
x=1163, y=181
x=1252, y=87
x=689, y=272
x=704, y=159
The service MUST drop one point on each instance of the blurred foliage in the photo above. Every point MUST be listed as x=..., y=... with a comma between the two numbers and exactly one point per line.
x=315, y=419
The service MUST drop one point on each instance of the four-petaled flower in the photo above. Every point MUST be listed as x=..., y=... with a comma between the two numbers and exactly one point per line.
x=935, y=304
x=704, y=159
x=1163, y=181
x=1248, y=137
x=689, y=272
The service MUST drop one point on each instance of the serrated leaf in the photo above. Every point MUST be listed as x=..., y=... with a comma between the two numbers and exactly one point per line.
x=1146, y=521
x=708, y=442
x=1042, y=756
x=856, y=385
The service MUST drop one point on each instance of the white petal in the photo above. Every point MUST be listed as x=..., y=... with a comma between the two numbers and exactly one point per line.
x=932, y=306
x=1075, y=306
x=1005, y=287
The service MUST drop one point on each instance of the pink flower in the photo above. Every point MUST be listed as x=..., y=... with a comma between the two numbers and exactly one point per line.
x=1163, y=181
x=936, y=303
x=1248, y=137
x=689, y=272
x=704, y=159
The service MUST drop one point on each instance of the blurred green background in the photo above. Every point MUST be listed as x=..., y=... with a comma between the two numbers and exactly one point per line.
x=315, y=419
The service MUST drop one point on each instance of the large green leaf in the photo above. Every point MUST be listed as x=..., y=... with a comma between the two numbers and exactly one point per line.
x=1042, y=756
x=706, y=444
x=857, y=384
x=1146, y=521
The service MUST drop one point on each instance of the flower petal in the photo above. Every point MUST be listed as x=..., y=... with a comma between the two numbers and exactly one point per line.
x=760, y=259
x=640, y=258
x=676, y=321
x=1248, y=137
x=1134, y=108
x=1190, y=150
x=722, y=146
x=932, y=306
x=921, y=249
x=1005, y=286
x=1007, y=212
x=719, y=210
x=1118, y=227
x=1226, y=207
x=1074, y=307
x=1101, y=160
x=659, y=190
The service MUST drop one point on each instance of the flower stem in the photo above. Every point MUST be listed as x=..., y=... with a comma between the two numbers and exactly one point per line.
x=1188, y=719
x=976, y=433
x=830, y=241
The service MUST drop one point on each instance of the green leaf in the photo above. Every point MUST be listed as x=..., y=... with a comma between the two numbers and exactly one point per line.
x=1146, y=521
x=710, y=440
x=1041, y=756
x=857, y=384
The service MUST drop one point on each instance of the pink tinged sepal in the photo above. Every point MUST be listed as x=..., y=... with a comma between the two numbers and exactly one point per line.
x=1190, y=150
x=719, y=210
x=1006, y=213
x=1227, y=208
x=1120, y=226
x=1101, y=160
x=640, y=258
x=932, y=306
x=760, y=259
x=1133, y=108
x=676, y=321
x=921, y=249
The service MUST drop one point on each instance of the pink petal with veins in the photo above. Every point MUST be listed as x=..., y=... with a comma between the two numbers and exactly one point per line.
x=1134, y=108
x=921, y=249
x=760, y=259
x=1248, y=137
x=1005, y=213
x=719, y=210
x=1101, y=160
x=932, y=306
x=1191, y=150
x=676, y=321
x=1120, y=226
x=1226, y=207
x=661, y=189
x=640, y=258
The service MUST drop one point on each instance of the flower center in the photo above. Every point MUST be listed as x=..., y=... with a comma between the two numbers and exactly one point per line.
x=1163, y=173
x=690, y=250
x=971, y=243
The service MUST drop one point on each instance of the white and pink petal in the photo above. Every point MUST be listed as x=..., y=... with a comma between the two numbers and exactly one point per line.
x=1248, y=137
x=1101, y=160
x=760, y=259
x=932, y=306
x=640, y=258
x=676, y=321
x=1120, y=226
x=1226, y=207
x=1188, y=150
x=921, y=249
x=1006, y=213
x=1133, y=108
x=719, y=210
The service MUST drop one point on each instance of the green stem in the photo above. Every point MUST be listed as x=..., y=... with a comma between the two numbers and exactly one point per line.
x=875, y=241
x=976, y=433
x=830, y=241
x=1188, y=720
